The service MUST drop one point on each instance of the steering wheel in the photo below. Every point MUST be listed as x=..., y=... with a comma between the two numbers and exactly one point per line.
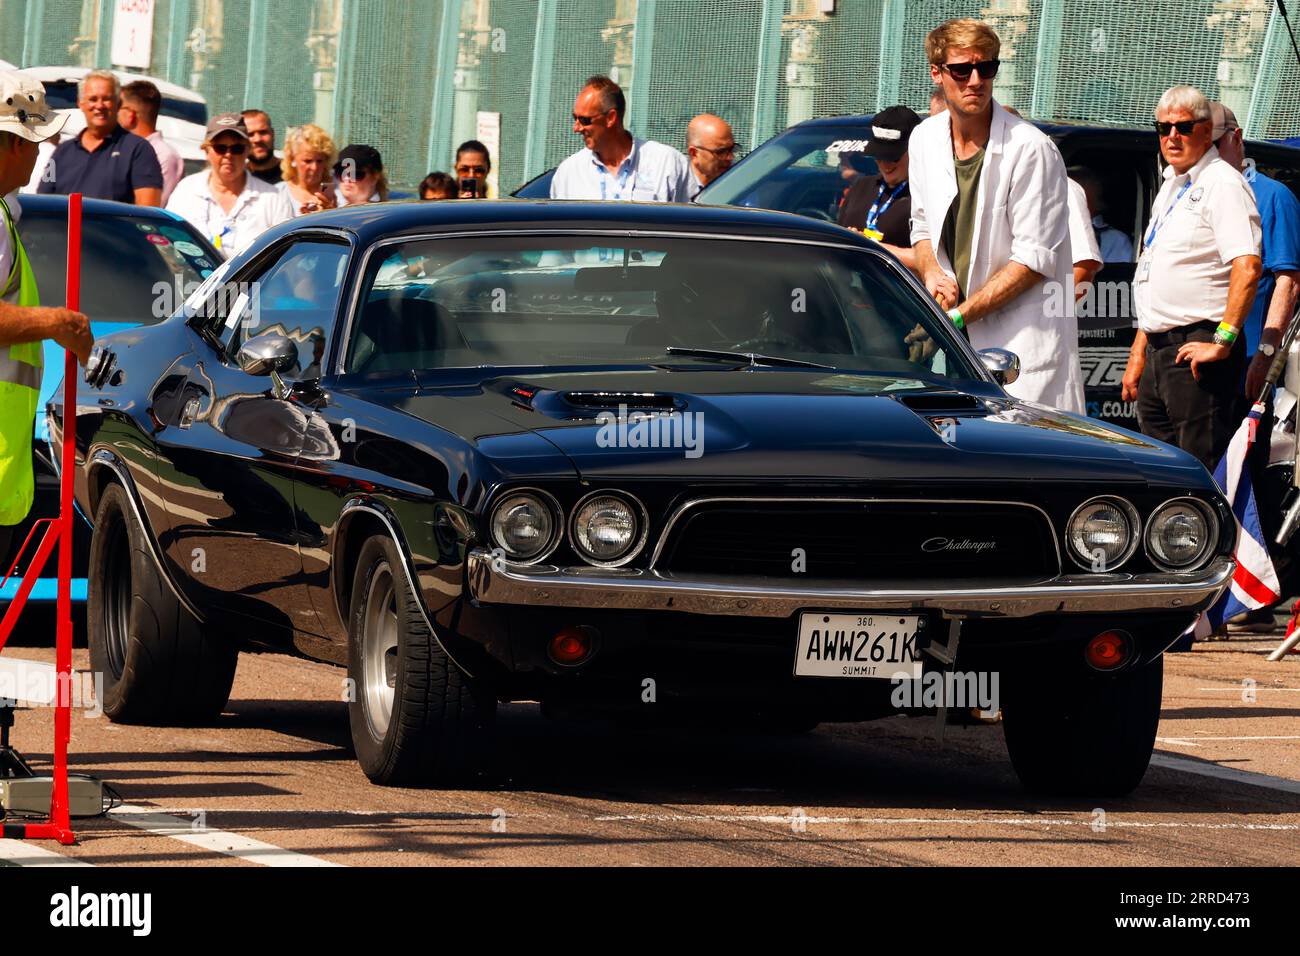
x=812, y=212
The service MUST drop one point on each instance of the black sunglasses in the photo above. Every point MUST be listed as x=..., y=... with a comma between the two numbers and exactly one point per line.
x=586, y=120
x=987, y=69
x=234, y=149
x=1184, y=127
x=722, y=151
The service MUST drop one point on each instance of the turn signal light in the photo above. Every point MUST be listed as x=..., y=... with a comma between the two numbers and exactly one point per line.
x=1108, y=650
x=571, y=646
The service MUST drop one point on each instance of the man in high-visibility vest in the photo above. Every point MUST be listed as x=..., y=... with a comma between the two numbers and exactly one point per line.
x=25, y=121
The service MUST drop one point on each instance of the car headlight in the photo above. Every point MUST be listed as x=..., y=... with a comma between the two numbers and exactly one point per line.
x=1103, y=533
x=1180, y=534
x=526, y=525
x=608, y=529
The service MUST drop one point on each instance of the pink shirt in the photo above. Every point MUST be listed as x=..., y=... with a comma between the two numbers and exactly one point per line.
x=173, y=167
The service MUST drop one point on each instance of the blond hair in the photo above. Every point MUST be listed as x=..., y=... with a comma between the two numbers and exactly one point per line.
x=961, y=33
x=307, y=138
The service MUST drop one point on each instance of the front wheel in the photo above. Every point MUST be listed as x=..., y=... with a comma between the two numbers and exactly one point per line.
x=416, y=717
x=1094, y=735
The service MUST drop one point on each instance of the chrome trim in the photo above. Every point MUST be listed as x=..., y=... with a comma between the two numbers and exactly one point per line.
x=636, y=548
x=1211, y=522
x=687, y=505
x=632, y=589
x=408, y=570
x=925, y=300
x=557, y=515
x=105, y=459
x=1135, y=531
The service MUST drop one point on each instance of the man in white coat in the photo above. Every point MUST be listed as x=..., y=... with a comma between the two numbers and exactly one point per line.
x=990, y=220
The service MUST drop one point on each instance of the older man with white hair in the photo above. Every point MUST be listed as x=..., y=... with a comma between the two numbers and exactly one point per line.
x=1196, y=278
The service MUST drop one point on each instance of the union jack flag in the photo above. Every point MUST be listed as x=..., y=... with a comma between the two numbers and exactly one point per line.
x=1254, y=583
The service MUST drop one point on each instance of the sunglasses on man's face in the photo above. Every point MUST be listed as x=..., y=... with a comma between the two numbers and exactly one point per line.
x=721, y=151
x=1184, y=127
x=987, y=69
x=586, y=120
x=234, y=149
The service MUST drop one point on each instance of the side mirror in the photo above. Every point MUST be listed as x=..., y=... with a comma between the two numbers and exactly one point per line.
x=269, y=354
x=1004, y=365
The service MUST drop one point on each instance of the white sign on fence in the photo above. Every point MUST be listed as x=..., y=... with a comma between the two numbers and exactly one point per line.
x=489, y=134
x=132, y=33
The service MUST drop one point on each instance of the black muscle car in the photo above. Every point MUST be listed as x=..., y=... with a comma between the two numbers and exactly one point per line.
x=628, y=458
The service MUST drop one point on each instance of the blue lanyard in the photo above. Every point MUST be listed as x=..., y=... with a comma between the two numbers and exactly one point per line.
x=877, y=210
x=1155, y=226
x=623, y=174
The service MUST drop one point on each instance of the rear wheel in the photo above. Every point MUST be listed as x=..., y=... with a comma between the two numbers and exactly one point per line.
x=160, y=664
x=415, y=716
x=1093, y=736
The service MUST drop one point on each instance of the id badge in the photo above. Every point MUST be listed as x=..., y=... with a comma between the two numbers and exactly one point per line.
x=1144, y=269
x=875, y=234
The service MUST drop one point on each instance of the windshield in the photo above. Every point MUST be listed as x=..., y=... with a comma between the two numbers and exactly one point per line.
x=806, y=170
x=575, y=302
x=62, y=95
x=134, y=270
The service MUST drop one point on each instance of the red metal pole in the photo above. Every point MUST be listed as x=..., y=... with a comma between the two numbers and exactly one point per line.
x=60, y=821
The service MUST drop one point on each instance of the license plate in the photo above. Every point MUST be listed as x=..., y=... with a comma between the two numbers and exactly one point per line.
x=881, y=646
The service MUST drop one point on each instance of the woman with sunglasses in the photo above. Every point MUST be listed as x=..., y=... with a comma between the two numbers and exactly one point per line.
x=360, y=175
x=308, y=154
x=230, y=207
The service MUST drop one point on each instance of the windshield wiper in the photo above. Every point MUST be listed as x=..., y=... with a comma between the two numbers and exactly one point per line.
x=753, y=358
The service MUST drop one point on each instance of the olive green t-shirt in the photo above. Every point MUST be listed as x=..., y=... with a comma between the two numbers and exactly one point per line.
x=960, y=224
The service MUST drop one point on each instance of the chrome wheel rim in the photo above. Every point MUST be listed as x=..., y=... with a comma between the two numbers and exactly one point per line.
x=379, y=652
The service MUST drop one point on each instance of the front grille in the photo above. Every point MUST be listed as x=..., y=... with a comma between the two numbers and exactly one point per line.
x=876, y=540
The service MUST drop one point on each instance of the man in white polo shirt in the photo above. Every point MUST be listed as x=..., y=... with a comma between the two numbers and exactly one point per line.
x=1196, y=278
x=615, y=164
x=225, y=202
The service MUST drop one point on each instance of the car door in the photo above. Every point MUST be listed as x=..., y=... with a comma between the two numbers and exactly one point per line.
x=1127, y=166
x=228, y=440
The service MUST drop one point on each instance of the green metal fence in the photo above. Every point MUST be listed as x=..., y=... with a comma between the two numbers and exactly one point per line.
x=411, y=77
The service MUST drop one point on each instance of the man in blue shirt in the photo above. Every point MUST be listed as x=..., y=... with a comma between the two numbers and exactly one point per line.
x=1279, y=215
x=104, y=161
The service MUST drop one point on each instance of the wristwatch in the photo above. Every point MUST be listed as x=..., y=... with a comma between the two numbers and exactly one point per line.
x=1267, y=350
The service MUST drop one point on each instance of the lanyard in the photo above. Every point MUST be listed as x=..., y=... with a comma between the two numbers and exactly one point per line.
x=877, y=210
x=1155, y=226
x=624, y=174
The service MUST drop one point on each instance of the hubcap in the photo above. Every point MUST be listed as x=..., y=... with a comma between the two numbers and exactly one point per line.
x=117, y=601
x=379, y=652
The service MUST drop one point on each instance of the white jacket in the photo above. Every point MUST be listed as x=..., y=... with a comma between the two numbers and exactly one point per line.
x=1021, y=215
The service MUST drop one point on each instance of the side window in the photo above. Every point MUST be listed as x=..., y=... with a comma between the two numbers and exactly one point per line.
x=297, y=296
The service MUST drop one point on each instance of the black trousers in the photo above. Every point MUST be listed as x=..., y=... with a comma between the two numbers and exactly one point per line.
x=1199, y=417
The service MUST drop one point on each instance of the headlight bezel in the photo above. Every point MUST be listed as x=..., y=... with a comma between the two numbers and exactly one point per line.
x=1135, y=532
x=640, y=537
x=545, y=498
x=1208, y=514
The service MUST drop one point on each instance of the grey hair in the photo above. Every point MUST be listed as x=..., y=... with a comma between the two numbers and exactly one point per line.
x=100, y=75
x=1187, y=98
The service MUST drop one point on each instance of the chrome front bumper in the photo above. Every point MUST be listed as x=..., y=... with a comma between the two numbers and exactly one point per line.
x=630, y=589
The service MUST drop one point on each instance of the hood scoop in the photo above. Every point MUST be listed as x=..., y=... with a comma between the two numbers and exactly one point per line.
x=940, y=401
x=582, y=405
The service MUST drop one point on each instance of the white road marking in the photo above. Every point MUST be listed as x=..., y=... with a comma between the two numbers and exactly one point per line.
x=1170, y=762
x=1195, y=741
x=1236, y=689
x=206, y=838
x=786, y=819
x=25, y=853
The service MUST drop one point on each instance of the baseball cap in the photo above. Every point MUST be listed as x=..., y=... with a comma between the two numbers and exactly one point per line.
x=227, y=123
x=23, y=109
x=1224, y=119
x=890, y=129
x=361, y=158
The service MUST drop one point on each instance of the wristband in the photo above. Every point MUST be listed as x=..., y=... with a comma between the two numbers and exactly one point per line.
x=957, y=320
x=1225, y=334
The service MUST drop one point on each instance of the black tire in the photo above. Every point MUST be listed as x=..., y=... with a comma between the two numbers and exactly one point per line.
x=160, y=664
x=438, y=725
x=1093, y=736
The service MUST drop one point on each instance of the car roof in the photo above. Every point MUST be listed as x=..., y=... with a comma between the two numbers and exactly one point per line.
x=1100, y=133
x=48, y=204
x=373, y=221
x=75, y=73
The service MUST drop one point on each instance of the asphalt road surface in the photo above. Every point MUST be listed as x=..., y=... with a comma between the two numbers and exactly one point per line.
x=274, y=783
